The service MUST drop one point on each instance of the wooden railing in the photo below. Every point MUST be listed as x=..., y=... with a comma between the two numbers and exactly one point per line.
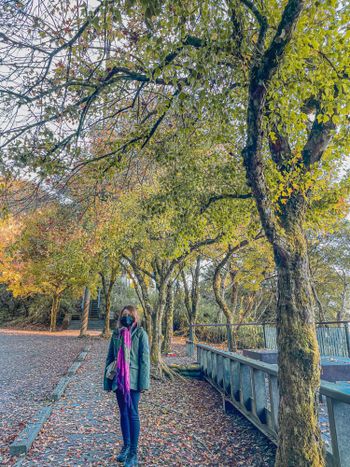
x=251, y=387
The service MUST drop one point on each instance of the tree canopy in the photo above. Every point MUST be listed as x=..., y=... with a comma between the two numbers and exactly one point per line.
x=177, y=129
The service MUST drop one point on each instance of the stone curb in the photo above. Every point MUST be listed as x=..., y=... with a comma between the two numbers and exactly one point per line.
x=73, y=368
x=64, y=381
x=81, y=356
x=60, y=388
x=25, y=439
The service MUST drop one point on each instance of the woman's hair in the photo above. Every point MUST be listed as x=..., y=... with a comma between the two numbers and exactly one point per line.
x=132, y=310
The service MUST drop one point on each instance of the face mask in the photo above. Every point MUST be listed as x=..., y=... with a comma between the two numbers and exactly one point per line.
x=126, y=320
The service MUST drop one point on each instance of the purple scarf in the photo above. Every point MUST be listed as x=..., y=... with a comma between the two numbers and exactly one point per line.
x=123, y=363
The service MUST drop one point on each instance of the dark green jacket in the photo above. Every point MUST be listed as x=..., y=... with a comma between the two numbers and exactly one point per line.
x=139, y=359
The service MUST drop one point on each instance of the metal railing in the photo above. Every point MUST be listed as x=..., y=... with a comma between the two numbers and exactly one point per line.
x=333, y=336
x=251, y=387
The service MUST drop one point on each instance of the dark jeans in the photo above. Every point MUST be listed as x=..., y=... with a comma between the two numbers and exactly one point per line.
x=129, y=418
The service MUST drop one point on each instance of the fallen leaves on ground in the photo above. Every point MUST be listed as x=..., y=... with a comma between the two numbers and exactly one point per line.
x=182, y=424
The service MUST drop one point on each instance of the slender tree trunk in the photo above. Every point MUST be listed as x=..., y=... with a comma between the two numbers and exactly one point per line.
x=157, y=316
x=341, y=310
x=148, y=325
x=142, y=290
x=66, y=320
x=169, y=319
x=106, y=327
x=192, y=333
x=155, y=347
x=107, y=291
x=219, y=292
x=85, y=315
x=231, y=335
x=298, y=359
x=188, y=306
x=195, y=294
x=54, y=310
x=321, y=315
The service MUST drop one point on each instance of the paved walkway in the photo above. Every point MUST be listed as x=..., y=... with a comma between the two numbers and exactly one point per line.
x=31, y=364
x=182, y=424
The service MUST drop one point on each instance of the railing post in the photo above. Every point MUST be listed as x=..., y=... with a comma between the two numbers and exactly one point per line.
x=245, y=386
x=274, y=400
x=259, y=394
x=220, y=371
x=214, y=374
x=190, y=342
x=346, y=328
x=264, y=331
x=229, y=340
x=191, y=332
x=242, y=382
x=235, y=374
x=339, y=413
x=226, y=376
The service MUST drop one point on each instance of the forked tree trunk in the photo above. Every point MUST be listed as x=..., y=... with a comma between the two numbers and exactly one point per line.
x=298, y=359
x=299, y=440
x=54, y=310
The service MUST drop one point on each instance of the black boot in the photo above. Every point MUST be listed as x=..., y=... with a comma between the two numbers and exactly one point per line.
x=131, y=460
x=123, y=453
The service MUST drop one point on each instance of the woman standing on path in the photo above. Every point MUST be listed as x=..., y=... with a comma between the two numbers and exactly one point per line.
x=129, y=346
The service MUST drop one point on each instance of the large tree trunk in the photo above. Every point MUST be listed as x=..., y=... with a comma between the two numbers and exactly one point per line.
x=54, y=310
x=85, y=315
x=169, y=319
x=299, y=442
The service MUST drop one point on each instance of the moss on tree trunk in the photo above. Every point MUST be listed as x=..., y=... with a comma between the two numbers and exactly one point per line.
x=299, y=437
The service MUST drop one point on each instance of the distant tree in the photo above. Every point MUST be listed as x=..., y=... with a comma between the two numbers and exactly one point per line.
x=50, y=256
